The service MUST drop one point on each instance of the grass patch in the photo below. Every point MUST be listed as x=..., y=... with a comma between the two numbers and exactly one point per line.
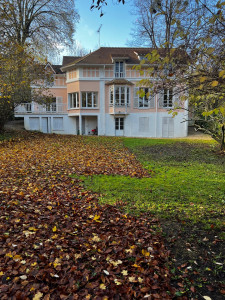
x=187, y=192
x=187, y=182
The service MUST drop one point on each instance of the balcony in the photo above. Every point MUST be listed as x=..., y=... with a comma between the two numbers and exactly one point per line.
x=35, y=108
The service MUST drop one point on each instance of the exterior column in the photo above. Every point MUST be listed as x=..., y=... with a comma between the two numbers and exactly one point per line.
x=80, y=124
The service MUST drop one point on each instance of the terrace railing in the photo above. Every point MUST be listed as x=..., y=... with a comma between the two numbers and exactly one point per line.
x=34, y=108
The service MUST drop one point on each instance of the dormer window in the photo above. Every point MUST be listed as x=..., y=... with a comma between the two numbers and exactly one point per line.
x=119, y=69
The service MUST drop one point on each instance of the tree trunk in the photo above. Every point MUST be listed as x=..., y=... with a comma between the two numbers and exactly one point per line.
x=2, y=126
x=222, y=139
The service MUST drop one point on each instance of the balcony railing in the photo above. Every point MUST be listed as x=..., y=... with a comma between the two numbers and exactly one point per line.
x=34, y=108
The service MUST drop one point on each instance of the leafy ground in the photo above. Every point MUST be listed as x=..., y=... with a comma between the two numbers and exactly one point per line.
x=186, y=191
x=59, y=243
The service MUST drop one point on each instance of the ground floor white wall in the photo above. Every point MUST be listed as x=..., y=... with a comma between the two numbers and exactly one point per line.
x=161, y=125
x=149, y=125
x=60, y=124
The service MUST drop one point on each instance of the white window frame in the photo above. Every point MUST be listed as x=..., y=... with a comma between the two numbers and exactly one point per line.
x=119, y=123
x=85, y=98
x=119, y=69
x=168, y=98
x=144, y=102
x=120, y=101
x=73, y=100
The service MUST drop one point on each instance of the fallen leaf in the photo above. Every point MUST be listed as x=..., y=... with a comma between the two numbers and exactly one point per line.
x=37, y=296
x=102, y=286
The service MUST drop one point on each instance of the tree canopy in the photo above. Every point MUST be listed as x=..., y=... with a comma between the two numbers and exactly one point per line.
x=42, y=24
x=29, y=29
x=196, y=29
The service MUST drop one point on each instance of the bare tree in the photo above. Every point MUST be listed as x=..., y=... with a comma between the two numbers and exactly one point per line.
x=159, y=23
x=38, y=23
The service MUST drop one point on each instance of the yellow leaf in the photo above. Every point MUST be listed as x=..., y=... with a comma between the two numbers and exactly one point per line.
x=102, y=286
x=132, y=279
x=136, y=266
x=77, y=255
x=54, y=229
x=140, y=279
x=117, y=282
x=1, y=273
x=32, y=229
x=214, y=83
x=33, y=264
x=56, y=263
x=17, y=257
x=202, y=79
x=96, y=217
x=221, y=73
x=124, y=272
x=96, y=238
x=49, y=207
x=145, y=253
x=38, y=296
x=9, y=254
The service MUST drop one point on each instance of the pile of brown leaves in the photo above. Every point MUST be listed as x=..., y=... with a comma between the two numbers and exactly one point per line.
x=57, y=242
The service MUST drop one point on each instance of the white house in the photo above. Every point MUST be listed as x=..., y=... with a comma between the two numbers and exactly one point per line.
x=97, y=93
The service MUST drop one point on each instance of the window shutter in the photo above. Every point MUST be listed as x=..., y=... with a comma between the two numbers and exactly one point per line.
x=59, y=104
x=136, y=97
x=59, y=100
x=160, y=99
x=176, y=98
x=151, y=101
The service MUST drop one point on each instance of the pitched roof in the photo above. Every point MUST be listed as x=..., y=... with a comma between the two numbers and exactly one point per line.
x=105, y=55
x=69, y=59
x=57, y=69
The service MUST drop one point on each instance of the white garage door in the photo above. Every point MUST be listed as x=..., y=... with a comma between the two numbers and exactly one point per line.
x=34, y=123
x=58, y=123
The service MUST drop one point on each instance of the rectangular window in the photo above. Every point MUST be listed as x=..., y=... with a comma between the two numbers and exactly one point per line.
x=73, y=99
x=111, y=95
x=144, y=98
x=119, y=96
x=119, y=69
x=119, y=123
x=168, y=98
x=89, y=99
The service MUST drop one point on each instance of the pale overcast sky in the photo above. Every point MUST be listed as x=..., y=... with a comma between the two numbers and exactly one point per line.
x=116, y=24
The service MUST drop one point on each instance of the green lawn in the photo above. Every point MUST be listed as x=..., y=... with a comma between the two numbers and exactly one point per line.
x=187, y=181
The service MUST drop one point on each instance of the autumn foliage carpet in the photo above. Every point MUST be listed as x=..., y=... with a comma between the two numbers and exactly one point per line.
x=57, y=242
